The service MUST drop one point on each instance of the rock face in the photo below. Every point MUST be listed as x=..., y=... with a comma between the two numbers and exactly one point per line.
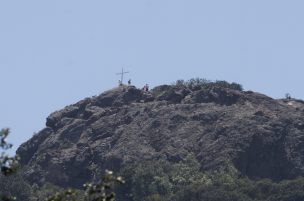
x=262, y=137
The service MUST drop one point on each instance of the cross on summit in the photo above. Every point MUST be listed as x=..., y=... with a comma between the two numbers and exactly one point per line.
x=122, y=75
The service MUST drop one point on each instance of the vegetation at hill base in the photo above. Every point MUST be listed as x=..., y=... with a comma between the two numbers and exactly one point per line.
x=183, y=181
x=163, y=181
x=100, y=191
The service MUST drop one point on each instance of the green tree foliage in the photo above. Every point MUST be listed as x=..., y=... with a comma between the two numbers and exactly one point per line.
x=100, y=191
x=8, y=165
x=195, y=83
x=162, y=181
x=47, y=190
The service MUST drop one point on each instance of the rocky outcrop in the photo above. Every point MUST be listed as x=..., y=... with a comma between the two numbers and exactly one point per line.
x=260, y=136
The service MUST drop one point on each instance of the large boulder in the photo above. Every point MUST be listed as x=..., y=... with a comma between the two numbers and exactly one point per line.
x=260, y=136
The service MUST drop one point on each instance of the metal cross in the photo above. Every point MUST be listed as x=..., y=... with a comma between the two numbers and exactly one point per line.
x=122, y=75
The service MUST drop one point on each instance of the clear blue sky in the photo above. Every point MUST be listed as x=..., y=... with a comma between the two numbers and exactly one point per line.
x=54, y=53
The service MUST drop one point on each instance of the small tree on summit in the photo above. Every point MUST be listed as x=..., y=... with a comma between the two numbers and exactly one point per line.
x=204, y=83
x=287, y=96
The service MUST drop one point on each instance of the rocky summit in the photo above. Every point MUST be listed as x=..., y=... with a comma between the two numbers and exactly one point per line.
x=260, y=136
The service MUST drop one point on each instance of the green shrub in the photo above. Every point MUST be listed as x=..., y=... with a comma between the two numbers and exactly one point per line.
x=197, y=83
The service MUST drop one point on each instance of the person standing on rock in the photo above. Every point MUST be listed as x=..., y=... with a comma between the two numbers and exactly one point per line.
x=146, y=87
x=129, y=82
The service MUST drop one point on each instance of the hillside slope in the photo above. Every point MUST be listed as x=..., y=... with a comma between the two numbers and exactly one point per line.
x=262, y=137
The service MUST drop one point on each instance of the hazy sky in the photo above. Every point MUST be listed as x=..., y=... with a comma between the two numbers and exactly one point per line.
x=57, y=52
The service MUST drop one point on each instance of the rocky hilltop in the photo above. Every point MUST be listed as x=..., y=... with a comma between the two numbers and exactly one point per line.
x=260, y=136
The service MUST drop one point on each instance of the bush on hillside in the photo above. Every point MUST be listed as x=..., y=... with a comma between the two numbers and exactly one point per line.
x=196, y=83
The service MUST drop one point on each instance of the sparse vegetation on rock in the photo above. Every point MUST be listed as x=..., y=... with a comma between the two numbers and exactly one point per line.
x=195, y=83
